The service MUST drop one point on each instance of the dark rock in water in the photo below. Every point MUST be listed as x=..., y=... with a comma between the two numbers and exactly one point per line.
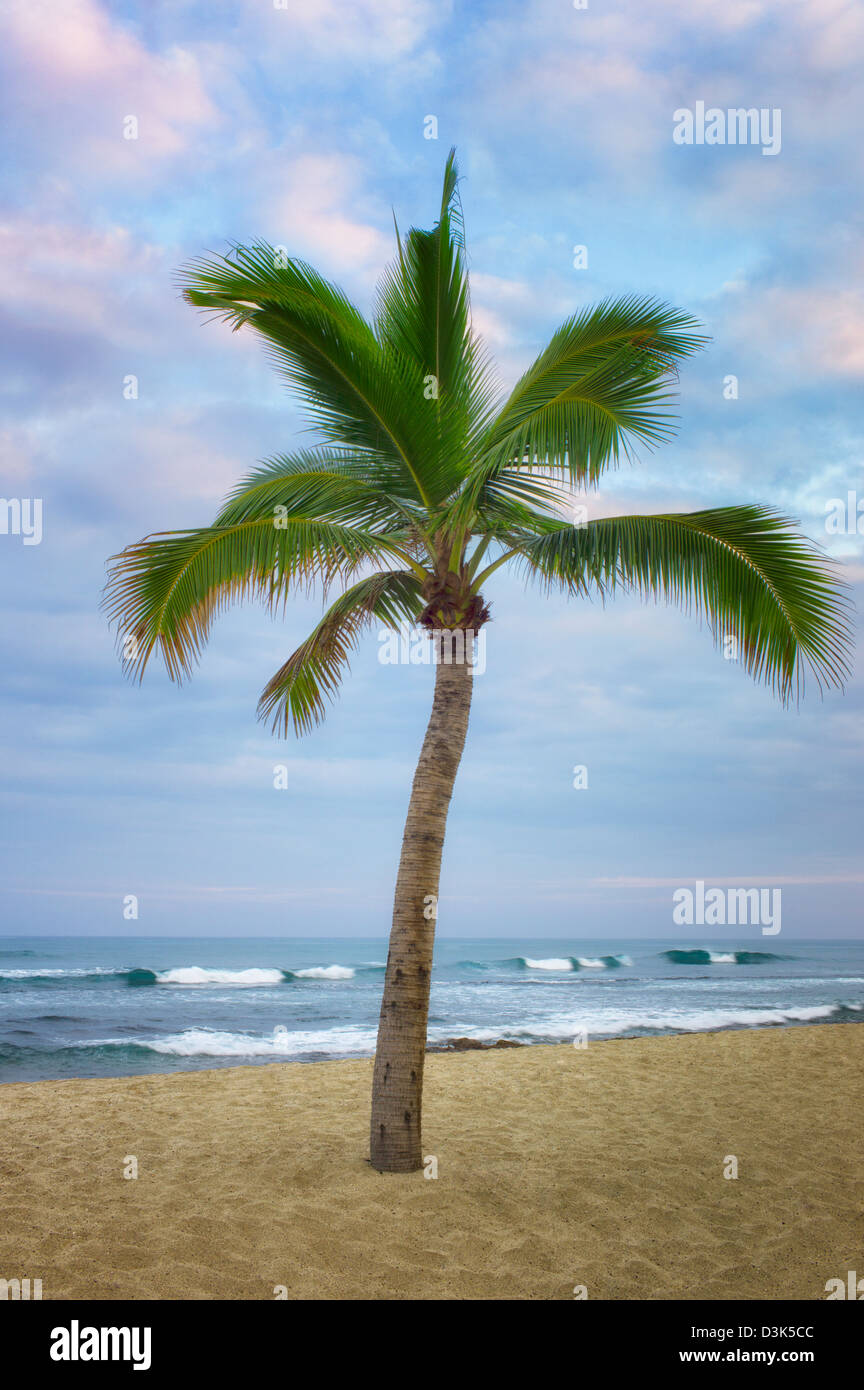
x=472, y=1044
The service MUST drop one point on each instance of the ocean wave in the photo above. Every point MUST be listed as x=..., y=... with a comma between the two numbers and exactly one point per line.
x=44, y=974
x=602, y=962
x=706, y=957
x=358, y=1041
x=50, y=977
x=139, y=977
x=196, y=975
x=211, y=1042
x=567, y=963
x=325, y=972
x=610, y=1023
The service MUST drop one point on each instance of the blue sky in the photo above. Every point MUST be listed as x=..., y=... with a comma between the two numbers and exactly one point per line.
x=304, y=125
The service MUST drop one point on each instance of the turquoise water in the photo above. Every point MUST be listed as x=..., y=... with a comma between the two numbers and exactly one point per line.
x=95, y=1006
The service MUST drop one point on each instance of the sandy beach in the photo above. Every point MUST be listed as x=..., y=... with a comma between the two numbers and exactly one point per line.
x=557, y=1167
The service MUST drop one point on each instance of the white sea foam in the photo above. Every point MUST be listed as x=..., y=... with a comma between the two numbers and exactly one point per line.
x=353, y=1040
x=553, y=963
x=325, y=972
x=608, y=1022
x=195, y=975
x=207, y=1042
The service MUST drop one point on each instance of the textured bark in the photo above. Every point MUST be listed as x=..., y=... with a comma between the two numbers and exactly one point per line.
x=397, y=1086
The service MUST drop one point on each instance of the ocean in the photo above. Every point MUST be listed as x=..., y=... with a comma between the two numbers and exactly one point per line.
x=96, y=1006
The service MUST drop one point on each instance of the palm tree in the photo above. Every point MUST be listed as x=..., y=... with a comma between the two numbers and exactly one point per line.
x=427, y=483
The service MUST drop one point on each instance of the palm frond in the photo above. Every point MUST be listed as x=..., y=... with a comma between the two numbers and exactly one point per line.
x=296, y=693
x=424, y=316
x=747, y=570
x=166, y=590
x=360, y=395
x=600, y=387
x=330, y=483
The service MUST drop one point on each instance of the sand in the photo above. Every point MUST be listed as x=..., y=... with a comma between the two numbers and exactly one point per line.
x=556, y=1168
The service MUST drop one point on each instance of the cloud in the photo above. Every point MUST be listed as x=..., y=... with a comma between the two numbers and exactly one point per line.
x=813, y=331
x=70, y=275
x=835, y=37
x=75, y=75
x=314, y=214
x=371, y=30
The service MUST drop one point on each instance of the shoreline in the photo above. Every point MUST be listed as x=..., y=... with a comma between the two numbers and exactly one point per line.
x=557, y=1167
x=451, y=1047
x=448, y=1047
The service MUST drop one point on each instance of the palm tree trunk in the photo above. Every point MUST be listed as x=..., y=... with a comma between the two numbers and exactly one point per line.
x=397, y=1085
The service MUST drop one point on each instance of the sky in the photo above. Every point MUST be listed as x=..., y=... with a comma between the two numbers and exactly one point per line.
x=308, y=124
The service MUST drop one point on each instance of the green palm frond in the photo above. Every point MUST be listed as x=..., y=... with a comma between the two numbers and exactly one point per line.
x=601, y=386
x=297, y=691
x=424, y=315
x=748, y=570
x=329, y=483
x=517, y=494
x=167, y=589
x=359, y=393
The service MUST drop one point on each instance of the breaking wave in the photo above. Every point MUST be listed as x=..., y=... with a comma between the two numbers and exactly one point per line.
x=705, y=957
x=565, y=963
x=182, y=975
x=212, y=1042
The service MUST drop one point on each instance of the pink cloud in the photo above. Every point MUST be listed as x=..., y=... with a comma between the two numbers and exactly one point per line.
x=68, y=275
x=836, y=34
x=819, y=330
x=80, y=70
x=315, y=215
